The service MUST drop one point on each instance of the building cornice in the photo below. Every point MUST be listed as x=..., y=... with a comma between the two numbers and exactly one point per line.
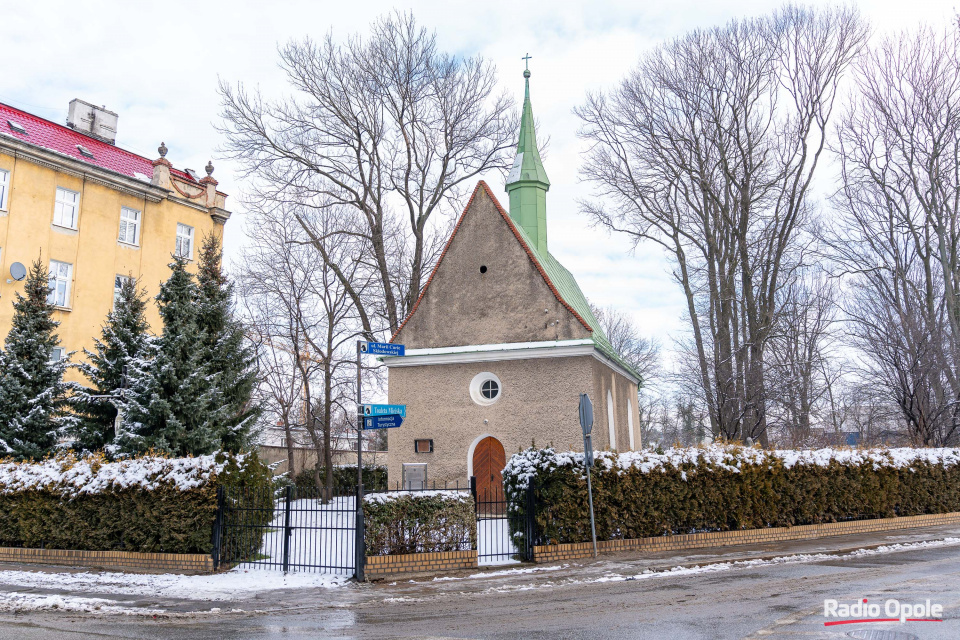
x=71, y=166
x=508, y=351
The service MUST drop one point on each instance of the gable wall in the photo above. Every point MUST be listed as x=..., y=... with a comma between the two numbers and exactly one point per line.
x=511, y=302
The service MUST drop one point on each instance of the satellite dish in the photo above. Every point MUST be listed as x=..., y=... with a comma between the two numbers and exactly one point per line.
x=18, y=271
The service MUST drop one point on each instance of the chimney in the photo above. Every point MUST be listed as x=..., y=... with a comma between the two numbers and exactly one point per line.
x=93, y=121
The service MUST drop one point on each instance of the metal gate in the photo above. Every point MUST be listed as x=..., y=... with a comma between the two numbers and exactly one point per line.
x=293, y=530
x=505, y=525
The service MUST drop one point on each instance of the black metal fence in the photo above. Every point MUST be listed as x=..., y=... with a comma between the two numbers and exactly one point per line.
x=303, y=529
x=505, y=529
x=291, y=530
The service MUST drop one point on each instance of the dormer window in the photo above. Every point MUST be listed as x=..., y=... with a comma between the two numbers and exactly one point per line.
x=84, y=151
x=17, y=127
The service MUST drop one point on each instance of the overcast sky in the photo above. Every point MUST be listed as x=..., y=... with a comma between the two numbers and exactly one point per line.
x=157, y=66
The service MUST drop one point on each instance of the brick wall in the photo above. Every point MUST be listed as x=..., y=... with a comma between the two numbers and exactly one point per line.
x=115, y=560
x=379, y=567
x=552, y=553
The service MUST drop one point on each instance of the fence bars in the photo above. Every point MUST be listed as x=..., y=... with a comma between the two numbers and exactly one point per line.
x=297, y=530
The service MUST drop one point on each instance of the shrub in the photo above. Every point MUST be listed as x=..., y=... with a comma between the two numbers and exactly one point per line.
x=419, y=522
x=345, y=479
x=719, y=488
x=148, y=504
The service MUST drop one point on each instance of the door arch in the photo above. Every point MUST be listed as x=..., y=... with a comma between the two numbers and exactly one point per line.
x=489, y=459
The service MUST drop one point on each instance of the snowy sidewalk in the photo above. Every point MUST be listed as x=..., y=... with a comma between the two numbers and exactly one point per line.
x=239, y=592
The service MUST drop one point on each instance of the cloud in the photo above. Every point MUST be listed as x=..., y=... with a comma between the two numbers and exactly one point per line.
x=158, y=65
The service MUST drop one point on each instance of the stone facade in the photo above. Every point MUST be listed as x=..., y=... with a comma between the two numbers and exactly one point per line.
x=510, y=303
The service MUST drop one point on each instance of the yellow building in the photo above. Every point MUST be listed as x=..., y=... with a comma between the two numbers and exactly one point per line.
x=94, y=214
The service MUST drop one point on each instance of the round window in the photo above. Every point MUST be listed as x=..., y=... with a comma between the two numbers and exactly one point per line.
x=485, y=388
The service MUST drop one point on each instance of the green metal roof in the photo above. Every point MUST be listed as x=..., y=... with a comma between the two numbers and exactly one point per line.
x=566, y=285
x=527, y=184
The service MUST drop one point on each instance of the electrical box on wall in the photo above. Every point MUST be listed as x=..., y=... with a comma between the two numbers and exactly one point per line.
x=423, y=446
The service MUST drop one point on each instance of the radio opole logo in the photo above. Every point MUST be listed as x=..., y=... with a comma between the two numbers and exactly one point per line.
x=890, y=611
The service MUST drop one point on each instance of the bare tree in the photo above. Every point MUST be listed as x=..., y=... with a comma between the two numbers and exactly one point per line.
x=642, y=353
x=801, y=373
x=898, y=240
x=305, y=320
x=709, y=149
x=380, y=135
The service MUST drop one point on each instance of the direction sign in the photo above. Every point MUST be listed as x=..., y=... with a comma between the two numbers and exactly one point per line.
x=586, y=414
x=381, y=348
x=384, y=410
x=382, y=422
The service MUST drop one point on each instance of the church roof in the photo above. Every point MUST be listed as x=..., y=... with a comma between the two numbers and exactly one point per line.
x=560, y=281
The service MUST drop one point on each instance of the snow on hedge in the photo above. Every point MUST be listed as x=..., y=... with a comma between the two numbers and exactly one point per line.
x=527, y=464
x=390, y=496
x=70, y=476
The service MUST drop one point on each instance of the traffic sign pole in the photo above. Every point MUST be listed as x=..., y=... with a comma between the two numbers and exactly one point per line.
x=360, y=544
x=586, y=424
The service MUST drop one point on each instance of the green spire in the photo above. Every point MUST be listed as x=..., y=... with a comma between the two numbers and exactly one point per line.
x=527, y=183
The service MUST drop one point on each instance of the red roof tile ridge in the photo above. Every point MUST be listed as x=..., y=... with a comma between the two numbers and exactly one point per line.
x=506, y=216
x=65, y=136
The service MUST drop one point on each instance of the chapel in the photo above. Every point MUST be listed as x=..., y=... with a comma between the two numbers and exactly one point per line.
x=500, y=345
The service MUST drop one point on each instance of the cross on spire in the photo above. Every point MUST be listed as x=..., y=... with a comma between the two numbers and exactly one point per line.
x=527, y=59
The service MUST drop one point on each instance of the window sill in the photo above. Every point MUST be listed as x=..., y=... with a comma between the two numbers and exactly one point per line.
x=61, y=228
x=59, y=308
x=128, y=245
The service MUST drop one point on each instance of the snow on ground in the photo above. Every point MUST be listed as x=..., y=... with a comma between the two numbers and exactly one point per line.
x=718, y=567
x=21, y=602
x=323, y=534
x=236, y=584
x=493, y=537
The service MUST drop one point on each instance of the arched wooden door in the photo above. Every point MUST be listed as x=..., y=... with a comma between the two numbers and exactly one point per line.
x=489, y=459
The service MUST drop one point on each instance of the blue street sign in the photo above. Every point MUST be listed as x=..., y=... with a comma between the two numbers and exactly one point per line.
x=382, y=422
x=384, y=410
x=382, y=349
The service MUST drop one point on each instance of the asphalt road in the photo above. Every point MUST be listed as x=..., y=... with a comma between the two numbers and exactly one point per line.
x=607, y=599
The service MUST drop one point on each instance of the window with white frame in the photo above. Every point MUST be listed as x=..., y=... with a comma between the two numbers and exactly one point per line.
x=184, y=248
x=65, y=210
x=118, y=283
x=4, y=188
x=56, y=354
x=59, y=283
x=129, y=226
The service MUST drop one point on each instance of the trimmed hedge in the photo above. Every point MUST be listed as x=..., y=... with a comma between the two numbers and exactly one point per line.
x=146, y=504
x=345, y=479
x=419, y=522
x=720, y=488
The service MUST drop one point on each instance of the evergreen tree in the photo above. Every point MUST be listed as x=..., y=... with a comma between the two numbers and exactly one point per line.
x=33, y=395
x=228, y=356
x=173, y=404
x=123, y=340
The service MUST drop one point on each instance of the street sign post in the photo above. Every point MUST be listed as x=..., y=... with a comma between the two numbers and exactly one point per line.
x=586, y=424
x=384, y=410
x=382, y=349
x=390, y=416
x=382, y=422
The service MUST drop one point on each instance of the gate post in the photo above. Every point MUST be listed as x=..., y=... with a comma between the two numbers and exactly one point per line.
x=287, y=531
x=218, y=529
x=531, y=521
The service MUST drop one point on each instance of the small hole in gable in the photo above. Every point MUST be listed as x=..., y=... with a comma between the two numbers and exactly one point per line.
x=483, y=268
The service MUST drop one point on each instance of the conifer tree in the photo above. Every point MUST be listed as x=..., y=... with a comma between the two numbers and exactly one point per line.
x=173, y=404
x=33, y=395
x=226, y=352
x=123, y=341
